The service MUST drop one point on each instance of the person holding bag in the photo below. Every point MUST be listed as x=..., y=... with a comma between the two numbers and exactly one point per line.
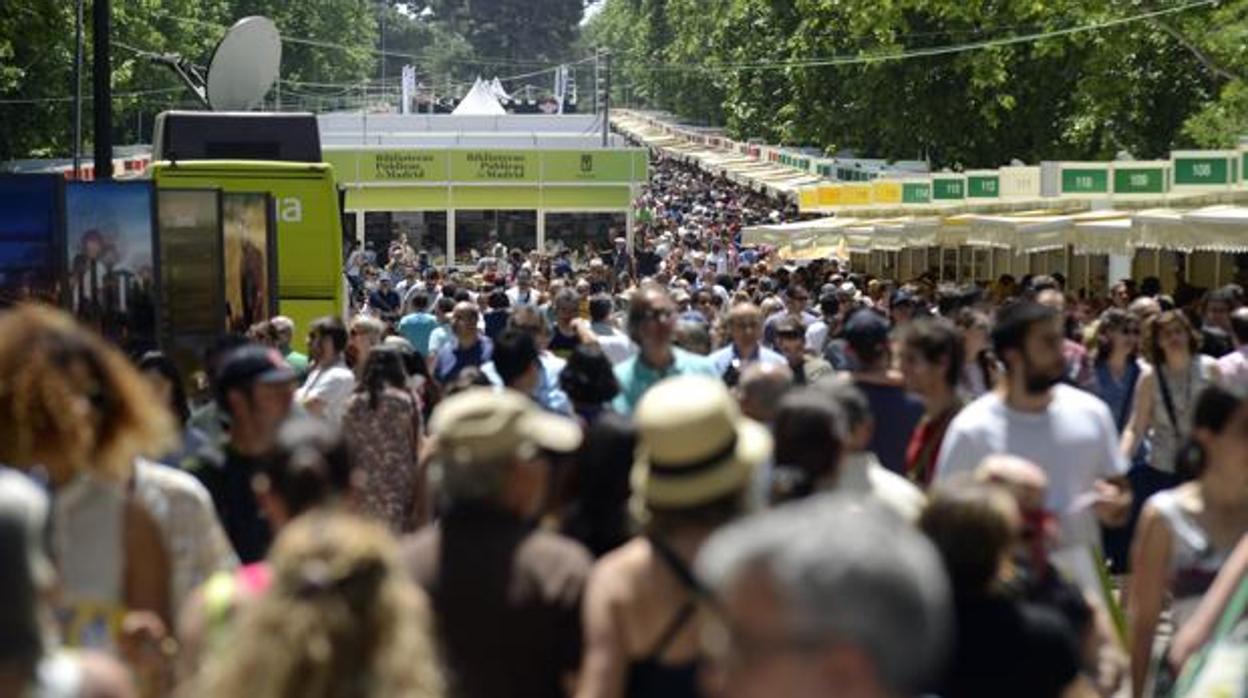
x=1164, y=398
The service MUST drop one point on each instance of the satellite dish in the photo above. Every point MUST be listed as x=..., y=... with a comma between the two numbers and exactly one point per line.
x=245, y=65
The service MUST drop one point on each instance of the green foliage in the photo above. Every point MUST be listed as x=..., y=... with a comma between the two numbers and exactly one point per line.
x=1144, y=87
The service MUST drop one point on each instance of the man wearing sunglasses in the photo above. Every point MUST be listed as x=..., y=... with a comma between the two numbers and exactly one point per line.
x=651, y=324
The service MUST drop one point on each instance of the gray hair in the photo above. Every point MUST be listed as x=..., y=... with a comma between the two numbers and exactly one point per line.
x=847, y=571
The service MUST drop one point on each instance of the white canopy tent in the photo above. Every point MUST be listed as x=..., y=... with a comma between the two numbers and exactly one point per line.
x=479, y=101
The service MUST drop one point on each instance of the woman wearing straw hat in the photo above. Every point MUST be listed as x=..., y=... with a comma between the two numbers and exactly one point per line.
x=696, y=460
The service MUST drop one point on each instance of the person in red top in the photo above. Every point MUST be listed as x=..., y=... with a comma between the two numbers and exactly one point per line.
x=931, y=362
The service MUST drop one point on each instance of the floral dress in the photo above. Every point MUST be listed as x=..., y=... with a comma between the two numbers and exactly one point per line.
x=383, y=442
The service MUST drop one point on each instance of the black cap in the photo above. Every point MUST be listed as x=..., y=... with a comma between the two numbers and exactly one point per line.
x=902, y=297
x=251, y=364
x=866, y=328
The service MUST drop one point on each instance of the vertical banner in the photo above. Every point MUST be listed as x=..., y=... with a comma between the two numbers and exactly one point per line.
x=110, y=260
x=250, y=260
x=408, y=89
x=32, y=223
x=192, y=313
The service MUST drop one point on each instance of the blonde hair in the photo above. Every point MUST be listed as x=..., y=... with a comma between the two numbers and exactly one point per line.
x=341, y=619
x=54, y=375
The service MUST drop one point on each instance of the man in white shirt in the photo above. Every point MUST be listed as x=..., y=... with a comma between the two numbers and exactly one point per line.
x=614, y=343
x=1234, y=366
x=861, y=471
x=522, y=293
x=1067, y=432
x=330, y=383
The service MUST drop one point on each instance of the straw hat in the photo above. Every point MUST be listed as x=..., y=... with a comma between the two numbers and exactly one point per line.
x=694, y=445
x=483, y=425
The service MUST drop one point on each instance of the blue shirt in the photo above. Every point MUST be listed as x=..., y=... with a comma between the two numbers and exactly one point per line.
x=723, y=358
x=451, y=359
x=416, y=329
x=636, y=376
x=548, y=394
x=896, y=414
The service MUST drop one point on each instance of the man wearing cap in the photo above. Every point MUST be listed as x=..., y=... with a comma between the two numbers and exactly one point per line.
x=745, y=326
x=696, y=458
x=385, y=301
x=254, y=388
x=896, y=412
x=791, y=341
x=651, y=322
x=506, y=595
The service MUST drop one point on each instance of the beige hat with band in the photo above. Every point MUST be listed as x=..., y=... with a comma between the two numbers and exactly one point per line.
x=487, y=425
x=694, y=445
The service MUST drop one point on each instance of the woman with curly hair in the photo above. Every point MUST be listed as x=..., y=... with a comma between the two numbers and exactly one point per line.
x=74, y=412
x=340, y=620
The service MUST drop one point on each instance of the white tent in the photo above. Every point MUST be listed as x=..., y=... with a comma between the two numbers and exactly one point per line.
x=496, y=89
x=479, y=102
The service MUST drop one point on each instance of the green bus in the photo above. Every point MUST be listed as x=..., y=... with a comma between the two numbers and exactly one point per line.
x=310, y=282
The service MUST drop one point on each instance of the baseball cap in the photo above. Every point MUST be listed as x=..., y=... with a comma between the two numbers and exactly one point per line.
x=485, y=425
x=866, y=328
x=251, y=364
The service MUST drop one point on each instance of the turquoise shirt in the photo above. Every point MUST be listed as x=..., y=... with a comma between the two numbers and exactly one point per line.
x=636, y=376
x=417, y=328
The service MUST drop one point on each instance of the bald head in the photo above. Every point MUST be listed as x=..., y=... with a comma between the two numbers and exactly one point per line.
x=1052, y=298
x=1025, y=480
x=1144, y=308
x=761, y=388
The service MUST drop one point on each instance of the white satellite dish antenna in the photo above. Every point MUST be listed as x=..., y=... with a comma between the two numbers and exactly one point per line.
x=245, y=65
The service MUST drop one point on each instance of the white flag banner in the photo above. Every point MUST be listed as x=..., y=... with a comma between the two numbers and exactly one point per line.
x=408, y=88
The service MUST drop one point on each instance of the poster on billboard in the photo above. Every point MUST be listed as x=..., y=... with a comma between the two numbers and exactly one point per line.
x=32, y=224
x=191, y=285
x=111, y=282
x=250, y=259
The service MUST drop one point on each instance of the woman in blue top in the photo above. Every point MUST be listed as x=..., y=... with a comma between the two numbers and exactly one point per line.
x=1116, y=367
x=1115, y=373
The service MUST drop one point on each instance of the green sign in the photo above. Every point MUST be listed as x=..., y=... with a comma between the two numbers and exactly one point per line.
x=948, y=189
x=588, y=166
x=494, y=165
x=1139, y=180
x=1085, y=181
x=983, y=186
x=916, y=192
x=1202, y=171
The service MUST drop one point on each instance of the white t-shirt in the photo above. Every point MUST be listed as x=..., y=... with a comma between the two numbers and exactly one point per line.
x=1234, y=368
x=861, y=473
x=1073, y=440
x=331, y=385
x=615, y=344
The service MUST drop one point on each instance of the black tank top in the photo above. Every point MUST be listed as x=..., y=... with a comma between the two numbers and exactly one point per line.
x=562, y=345
x=650, y=676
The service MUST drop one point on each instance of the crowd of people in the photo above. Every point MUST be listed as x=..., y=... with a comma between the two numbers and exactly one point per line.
x=679, y=468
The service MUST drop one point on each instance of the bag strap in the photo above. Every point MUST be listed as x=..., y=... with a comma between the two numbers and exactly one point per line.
x=1125, y=416
x=1168, y=399
x=678, y=566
